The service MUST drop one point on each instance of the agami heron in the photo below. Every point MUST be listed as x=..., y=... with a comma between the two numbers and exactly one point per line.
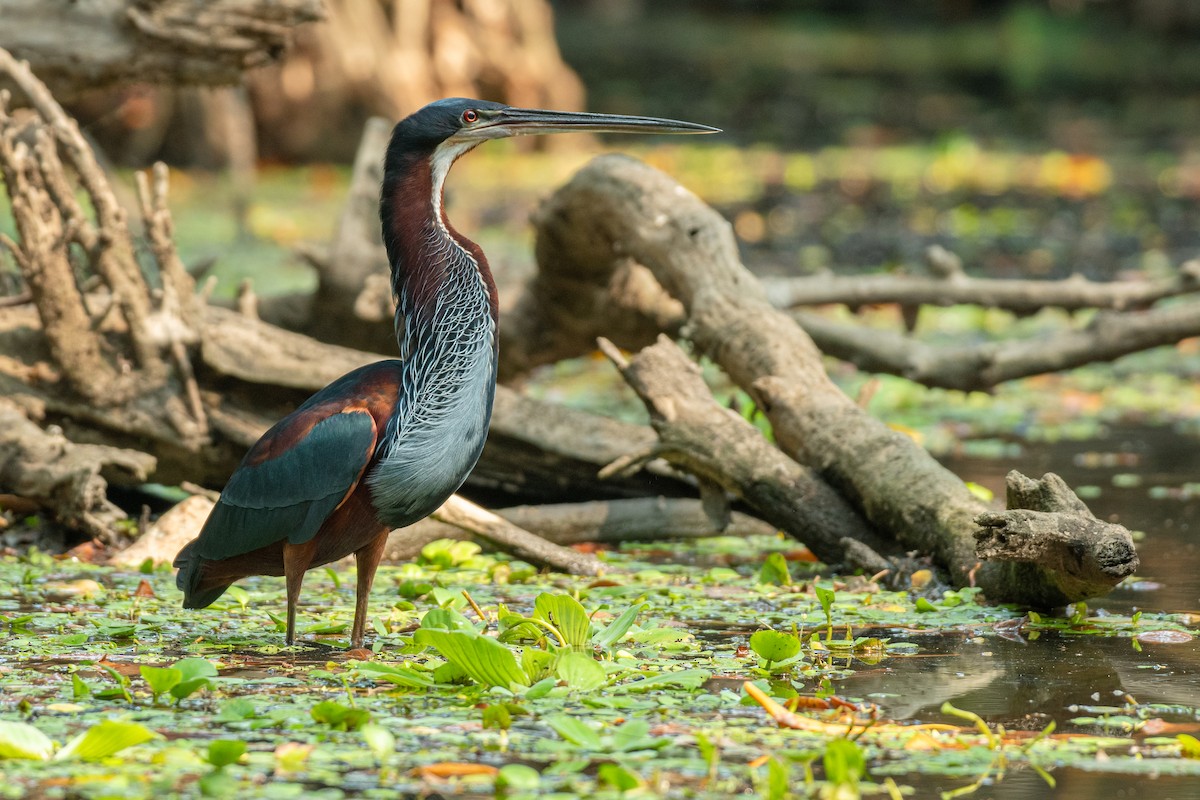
x=383, y=446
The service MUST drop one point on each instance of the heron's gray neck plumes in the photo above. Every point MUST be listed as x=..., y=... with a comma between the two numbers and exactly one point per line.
x=448, y=381
x=446, y=328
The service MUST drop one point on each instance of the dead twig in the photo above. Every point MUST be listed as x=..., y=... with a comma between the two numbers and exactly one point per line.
x=519, y=542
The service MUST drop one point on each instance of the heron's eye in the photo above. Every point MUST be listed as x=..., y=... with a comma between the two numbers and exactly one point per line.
x=470, y=115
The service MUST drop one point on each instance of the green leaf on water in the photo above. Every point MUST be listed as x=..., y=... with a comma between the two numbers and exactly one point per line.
x=223, y=752
x=160, y=679
x=236, y=710
x=825, y=597
x=340, y=717
x=567, y=615
x=778, y=780
x=772, y=645
x=497, y=717
x=218, y=783
x=618, y=627
x=844, y=762
x=104, y=739
x=683, y=679
x=775, y=571
x=541, y=688
x=538, y=664
x=517, y=778
x=581, y=672
x=575, y=731
x=447, y=553
x=634, y=735
x=619, y=778
x=482, y=658
x=79, y=689
x=708, y=751
x=445, y=619
x=924, y=606
x=334, y=576
x=401, y=676
x=194, y=676
x=21, y=740
x=447, y=598
x=380, y=740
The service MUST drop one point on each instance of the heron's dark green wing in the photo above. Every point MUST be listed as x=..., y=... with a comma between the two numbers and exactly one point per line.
x=293, y=478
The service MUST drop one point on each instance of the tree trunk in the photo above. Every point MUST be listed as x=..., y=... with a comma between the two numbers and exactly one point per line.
x=81, y=46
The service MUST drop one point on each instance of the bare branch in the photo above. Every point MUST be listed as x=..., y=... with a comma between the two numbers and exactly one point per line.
x=508, y=537
x=113, y=258
x=644, y=519
x=1020, y=296
x=980, y=367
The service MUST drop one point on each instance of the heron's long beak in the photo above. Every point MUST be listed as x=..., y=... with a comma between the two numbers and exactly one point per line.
x=499, y=123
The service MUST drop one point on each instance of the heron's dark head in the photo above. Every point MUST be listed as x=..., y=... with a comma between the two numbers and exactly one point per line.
x=426, y=144
x=446, y=129
x=430, y=126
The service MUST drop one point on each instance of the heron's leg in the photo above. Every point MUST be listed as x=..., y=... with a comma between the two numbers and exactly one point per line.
x=296, y=560
x=367, y=560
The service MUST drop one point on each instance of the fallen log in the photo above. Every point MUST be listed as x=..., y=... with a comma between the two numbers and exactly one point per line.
x=69, y=480
x=612, y=522
x=1048, y=525
x=617, y=209
x=644, y=519
x=714, y=443
x=536, y=451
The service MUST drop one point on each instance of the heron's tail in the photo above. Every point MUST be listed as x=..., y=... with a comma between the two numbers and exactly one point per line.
x=190, y=579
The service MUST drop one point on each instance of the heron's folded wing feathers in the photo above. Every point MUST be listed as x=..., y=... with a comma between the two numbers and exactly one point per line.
x=290, y=482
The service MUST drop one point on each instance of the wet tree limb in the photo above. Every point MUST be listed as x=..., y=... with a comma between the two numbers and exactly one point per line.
x=1047, y=524
x=643, y=519
x=536, y=450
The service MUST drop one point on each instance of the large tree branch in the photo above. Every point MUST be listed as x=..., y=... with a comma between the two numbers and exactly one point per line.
x=642, y=519
x=701, y=436
x=79, y=46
